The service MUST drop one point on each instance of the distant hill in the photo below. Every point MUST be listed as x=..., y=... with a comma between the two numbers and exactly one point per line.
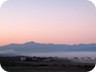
x=33, y=47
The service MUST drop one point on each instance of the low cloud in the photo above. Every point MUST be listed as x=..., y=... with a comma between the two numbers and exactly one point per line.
x=6, y=51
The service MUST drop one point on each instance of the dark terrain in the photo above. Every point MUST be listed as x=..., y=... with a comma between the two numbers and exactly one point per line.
x=43, y=64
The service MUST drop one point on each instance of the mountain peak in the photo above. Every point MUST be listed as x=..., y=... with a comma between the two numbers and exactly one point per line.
x=31, y=42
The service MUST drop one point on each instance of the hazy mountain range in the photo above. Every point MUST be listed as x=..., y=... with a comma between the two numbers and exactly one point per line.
x=33, y=47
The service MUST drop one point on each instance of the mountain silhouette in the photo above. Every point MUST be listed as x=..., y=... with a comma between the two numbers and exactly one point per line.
x=33, y=47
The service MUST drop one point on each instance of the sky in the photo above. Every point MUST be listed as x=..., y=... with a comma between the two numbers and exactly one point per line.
x=48, y=21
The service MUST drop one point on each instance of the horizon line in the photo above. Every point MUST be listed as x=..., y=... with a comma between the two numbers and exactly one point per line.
x=46, y=43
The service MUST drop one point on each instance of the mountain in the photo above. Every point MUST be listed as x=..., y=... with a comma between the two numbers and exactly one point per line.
x=33, y=47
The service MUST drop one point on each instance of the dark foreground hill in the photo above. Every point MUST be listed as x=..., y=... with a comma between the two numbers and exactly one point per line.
x=38, y=65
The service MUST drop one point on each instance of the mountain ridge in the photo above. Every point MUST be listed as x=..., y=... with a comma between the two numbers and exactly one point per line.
x=34, y=47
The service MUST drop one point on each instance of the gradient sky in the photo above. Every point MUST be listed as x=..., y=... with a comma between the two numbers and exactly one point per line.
x=48, y=21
